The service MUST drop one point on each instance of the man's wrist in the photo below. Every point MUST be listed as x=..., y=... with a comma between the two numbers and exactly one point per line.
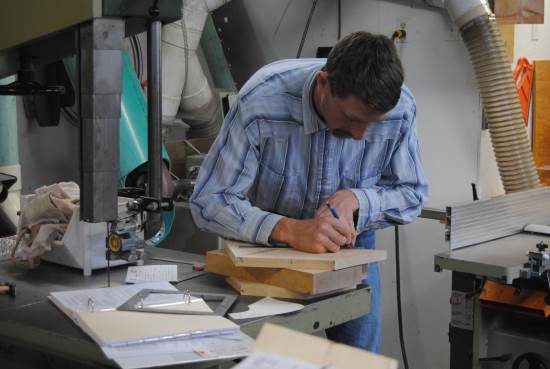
x=355, y=199
x=282, y=232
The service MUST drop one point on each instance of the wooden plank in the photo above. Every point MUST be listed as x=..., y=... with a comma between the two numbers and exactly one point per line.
x=519, y=11
x=541, y=114
x=248, y=288
x=298, y=280
x=248, y=255
x=317, y=351
x=544, y=174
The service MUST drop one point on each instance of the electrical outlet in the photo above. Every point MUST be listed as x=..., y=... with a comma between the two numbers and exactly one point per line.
x=534, y=32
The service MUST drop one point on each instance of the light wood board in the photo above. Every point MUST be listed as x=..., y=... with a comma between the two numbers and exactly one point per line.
x=519, y=11
x=541, y=115
x=248, y=288
x=544, y=174
x=308, y=281
x=316, y=350
x=244, y=255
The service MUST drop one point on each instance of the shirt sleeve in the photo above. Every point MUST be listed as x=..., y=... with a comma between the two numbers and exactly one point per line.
x=398, y=196
x=219, y=203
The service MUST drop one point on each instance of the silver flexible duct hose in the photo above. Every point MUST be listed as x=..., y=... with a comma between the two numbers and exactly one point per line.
x=500, y=100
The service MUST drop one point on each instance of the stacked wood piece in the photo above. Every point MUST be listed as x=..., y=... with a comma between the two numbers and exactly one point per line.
x=287, y=273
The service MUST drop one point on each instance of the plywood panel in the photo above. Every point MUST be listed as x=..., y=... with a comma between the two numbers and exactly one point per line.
x=248, y=288
x=520, y=11
x=318, y=351
x=299, y=280
x=544, y=174
x=541, y=115
x=248, y=255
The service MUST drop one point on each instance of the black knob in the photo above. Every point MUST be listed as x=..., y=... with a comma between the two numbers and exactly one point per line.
x=541, y=246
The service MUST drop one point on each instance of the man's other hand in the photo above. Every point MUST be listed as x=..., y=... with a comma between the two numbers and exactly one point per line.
x=346, y=204
x=317, y=235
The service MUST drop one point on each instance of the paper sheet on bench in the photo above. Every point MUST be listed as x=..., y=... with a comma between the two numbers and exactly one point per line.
x=152, y=273
x=265, y=360
x=266, y=307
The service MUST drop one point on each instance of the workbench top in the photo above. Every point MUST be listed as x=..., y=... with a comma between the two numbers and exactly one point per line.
x=30, y=322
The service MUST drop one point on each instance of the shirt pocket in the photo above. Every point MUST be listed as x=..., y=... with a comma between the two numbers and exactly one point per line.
x=268, y=188
x=374, y=157
x=366, y=165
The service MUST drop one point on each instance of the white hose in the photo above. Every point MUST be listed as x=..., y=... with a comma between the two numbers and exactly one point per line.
x=497, y=87
x=184, y=83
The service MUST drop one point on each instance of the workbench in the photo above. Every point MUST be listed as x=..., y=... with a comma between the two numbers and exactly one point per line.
x=36, y=334
x=482, y=334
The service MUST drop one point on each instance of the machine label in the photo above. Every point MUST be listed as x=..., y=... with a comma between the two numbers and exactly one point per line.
x=462, y=310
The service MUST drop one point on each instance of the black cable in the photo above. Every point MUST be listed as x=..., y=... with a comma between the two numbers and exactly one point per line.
x=137, y=56
x=339, y=19
x=140, y=58
x=306, y=29
x=71, y=116
x=133, y=51
x=399, y=312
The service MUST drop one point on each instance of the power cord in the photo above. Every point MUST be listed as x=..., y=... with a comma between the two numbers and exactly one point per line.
x=339, y=19
x=399, y=310
x=306, y=29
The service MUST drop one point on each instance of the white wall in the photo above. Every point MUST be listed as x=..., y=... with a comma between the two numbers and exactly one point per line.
x=449, y=119
x=531, y=41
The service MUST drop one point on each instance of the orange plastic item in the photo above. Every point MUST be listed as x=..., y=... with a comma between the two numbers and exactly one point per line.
x=508, y=295
x=523, y=75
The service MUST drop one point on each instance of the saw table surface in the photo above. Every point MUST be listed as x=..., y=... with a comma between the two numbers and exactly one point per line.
x=33, y=331
x=502, y=258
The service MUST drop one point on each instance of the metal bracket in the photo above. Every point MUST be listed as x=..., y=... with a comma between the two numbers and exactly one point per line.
x=135, y=303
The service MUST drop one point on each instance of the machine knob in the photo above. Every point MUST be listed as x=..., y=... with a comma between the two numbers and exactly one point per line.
x=541, y=246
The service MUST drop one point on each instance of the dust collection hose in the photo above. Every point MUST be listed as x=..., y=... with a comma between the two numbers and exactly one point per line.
x=498, y=92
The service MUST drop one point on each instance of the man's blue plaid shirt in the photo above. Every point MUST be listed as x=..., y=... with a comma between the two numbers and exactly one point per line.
x=274, y=157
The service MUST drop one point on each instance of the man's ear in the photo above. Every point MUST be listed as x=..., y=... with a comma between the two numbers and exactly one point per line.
x=322, y=78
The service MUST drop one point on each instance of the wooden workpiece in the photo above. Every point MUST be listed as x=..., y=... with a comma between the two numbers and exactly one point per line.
x=248, y=255
x=248, y=288
x=309, y=281
x=541, y=119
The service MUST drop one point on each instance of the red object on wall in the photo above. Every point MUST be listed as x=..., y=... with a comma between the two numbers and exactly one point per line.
x=523, y=75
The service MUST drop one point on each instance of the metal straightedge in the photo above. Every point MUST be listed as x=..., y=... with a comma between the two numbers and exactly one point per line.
x=136, y=302
x=487, y=220
x=100, y=61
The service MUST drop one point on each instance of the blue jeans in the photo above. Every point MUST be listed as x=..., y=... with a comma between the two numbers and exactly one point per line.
x=363, y=332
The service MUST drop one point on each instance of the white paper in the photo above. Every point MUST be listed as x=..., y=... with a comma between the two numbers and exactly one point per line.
x=152, y=273
x=266, y=307
x=103, y=298
x=186, y=351
x=264, y=360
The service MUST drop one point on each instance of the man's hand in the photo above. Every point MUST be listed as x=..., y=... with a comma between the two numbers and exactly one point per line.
x=346, y=204
x=317, y=235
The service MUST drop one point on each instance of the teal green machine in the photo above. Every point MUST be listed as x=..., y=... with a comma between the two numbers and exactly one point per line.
x=133, y=138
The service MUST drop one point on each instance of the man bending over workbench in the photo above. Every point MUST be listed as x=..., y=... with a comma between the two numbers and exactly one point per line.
x=305, y=132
